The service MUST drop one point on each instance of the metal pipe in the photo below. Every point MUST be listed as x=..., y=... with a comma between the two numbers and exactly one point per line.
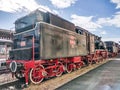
x=33, y=48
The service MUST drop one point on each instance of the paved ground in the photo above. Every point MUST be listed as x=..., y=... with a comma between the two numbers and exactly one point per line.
x=105, y=77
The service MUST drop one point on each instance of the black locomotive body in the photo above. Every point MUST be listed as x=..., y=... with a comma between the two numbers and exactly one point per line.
x=29, y=21
x=112, y=48
x=50, y=42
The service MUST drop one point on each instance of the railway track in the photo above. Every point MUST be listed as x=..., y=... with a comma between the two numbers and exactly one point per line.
x=4, y=71
x=52, y=83
x=12, y=85
x=6, y=78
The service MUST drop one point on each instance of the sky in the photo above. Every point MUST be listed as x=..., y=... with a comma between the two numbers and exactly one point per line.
x=100, y=17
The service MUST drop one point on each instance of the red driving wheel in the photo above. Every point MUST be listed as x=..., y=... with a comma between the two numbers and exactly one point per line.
x=69, y=68
x=59, y=69
x=36, y=74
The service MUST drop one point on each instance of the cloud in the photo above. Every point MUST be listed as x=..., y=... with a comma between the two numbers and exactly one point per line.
x=103, y=32
x=62, y=3
x=111, y=39
x=110, y=21
x=85, y=22
x=116, y=2
x=21, y=5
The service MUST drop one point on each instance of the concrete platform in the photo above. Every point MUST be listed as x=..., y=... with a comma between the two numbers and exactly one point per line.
x=105, y=77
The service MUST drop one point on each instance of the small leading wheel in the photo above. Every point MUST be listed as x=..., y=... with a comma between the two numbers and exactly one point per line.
x=59, y=69
x=36, y=74
x=69, y=68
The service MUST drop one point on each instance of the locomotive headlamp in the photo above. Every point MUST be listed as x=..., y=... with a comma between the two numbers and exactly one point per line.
x=15, y=66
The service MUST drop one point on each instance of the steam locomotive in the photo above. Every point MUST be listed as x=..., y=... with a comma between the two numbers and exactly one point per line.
x=46, y=45
x=112, y=48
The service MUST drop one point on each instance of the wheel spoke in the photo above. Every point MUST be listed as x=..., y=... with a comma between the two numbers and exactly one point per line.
x=36, y=75
x=69, y=68
x=58, y=69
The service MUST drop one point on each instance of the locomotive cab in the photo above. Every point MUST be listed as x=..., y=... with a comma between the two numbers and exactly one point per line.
x=25, y=51
x=26, y=44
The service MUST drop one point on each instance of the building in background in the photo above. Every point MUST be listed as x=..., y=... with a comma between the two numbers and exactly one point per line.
x=6, y=37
